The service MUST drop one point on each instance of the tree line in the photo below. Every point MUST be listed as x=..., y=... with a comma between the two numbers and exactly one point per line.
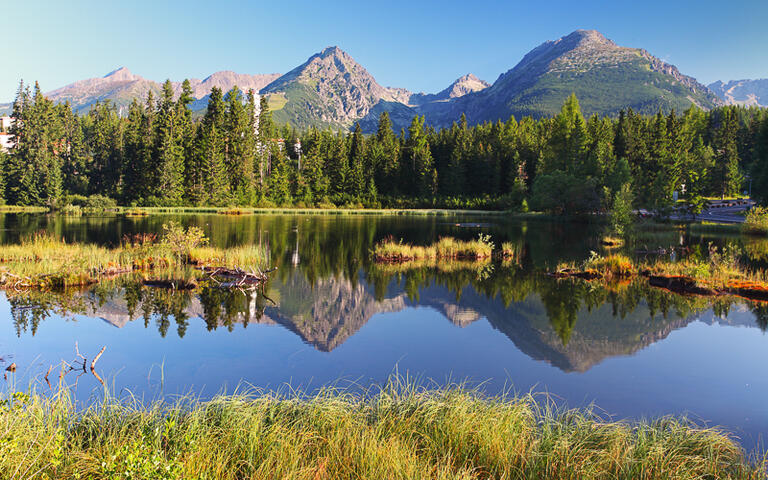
x=160, y=154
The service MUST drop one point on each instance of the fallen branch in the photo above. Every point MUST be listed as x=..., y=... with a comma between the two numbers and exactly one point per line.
x=97, y=357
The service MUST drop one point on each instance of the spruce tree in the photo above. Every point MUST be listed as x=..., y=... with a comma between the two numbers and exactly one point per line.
x=209, y=183
x=169, y=166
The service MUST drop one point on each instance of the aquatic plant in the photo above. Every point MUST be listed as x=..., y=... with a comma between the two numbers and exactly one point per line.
x=390, y=250
x=45, y=261
x=400, y=431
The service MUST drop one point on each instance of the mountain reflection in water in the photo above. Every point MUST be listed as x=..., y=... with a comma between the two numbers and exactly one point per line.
x=330, y=313
x=572, y=325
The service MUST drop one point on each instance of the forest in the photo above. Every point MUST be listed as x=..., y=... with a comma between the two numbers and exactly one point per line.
x=161, y=153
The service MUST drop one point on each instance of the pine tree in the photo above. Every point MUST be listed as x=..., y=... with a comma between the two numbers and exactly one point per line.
x=134, y=166
x=726, y=175
x=34, y=168
x=73, y=155
x=356, y=180
x=418, y=159
x=169, y=166
x=209, y=183
x=239, y=158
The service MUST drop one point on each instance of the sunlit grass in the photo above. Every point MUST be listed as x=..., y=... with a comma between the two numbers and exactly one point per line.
x=45, y=261
x=245, y=256
x=401, y=431
x=446, y=248
x=756, y=221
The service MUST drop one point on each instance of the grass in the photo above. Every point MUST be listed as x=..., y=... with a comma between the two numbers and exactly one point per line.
x=399, y=432
x=756, y=221
x=446, y=248
x=328, y=209
x=612, y=267
x=720, y=272
x=438, y=265
x=611, y=241
x=22, y=209
x=242, y=256
x=44, y=261
x=135, y=212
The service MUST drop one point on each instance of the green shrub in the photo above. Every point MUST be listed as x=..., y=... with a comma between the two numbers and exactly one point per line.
x=100, y=203
x=180, y=240
x=756, y=221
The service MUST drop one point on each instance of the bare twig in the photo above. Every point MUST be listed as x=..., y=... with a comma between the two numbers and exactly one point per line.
x=97, y=357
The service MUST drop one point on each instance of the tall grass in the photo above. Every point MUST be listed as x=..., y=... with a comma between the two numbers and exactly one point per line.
x=45, y=261
x=390, y=250
x=400, y=432
x=244, y=256
x=756, y=221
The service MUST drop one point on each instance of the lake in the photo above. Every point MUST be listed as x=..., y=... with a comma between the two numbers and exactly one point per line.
x=329, y=315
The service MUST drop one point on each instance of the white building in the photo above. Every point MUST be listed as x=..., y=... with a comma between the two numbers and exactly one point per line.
x=5, y=142
x=5, y=124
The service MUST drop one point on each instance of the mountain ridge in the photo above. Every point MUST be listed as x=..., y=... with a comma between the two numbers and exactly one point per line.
x=744, y=92
x=331, y=89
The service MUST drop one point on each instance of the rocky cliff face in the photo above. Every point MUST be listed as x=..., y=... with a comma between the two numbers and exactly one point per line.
x=742, y=92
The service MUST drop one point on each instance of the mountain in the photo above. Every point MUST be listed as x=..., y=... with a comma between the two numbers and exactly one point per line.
x=462, y=86
x=121, y=86
x=329, y=89
x=742, y=92
x=605, y=77
x=225, y=80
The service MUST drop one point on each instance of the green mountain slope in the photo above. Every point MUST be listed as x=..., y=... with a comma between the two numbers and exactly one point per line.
x=605, y=77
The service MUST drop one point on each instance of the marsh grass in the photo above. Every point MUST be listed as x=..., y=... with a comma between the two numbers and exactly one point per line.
x=390, y=250
x=614, y=266
x=398, y=432
x=433, y=264
x=612, y=241
x=44, y=261
x=756, y=221
x=719, y=272
x=244, y=256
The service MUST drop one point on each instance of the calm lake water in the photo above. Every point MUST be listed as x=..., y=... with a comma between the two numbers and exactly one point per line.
x=329, y=315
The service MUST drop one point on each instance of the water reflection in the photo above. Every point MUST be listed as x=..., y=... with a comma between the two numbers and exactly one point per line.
x=329, y=312
x=570, y=324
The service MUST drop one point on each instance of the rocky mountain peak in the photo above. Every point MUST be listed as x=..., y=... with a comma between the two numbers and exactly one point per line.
x=332, y=51
x=586, y=38
x=122, y=74
x=463, y=85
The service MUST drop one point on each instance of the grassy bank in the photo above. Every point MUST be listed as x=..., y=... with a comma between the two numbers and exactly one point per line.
x=45, y=261
x=143, y=211
x=401, y=432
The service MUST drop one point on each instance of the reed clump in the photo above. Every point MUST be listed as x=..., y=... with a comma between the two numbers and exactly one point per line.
x=44, y=261
x=244, y=256
x=611, y=267
x=404, y=432
x=447, y=248
x=235, y=211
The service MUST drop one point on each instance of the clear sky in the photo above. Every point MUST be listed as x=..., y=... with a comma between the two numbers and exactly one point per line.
x=418, y=45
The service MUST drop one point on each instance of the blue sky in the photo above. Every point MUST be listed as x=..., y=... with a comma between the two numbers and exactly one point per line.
x=419, y=45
